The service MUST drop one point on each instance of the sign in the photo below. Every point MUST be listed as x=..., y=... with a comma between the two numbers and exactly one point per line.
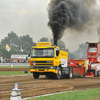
x=44, y=44
x=34, y=63
x=18, y=56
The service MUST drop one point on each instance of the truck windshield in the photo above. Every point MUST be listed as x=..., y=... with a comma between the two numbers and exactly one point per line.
x=42, y=52
x=92, y=49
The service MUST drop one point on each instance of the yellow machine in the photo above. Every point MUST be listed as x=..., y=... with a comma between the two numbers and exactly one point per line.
x=48, y=60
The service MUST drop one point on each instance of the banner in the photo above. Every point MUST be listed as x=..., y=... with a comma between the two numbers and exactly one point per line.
x=7, y=47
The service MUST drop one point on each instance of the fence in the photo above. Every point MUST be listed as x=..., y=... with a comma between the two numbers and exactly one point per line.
x=14, y=64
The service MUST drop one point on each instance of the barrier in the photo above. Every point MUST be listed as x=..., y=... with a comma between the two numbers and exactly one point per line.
x=16, y=93
x=14, y=64
x=11, y=65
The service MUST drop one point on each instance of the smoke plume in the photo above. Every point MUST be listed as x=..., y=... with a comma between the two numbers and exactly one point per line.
x=89, y=2
x=68, y=14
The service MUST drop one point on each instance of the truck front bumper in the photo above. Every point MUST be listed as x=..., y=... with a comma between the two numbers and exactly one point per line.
x=43, y=70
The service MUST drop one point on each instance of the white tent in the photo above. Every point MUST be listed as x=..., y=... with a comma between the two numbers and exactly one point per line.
x=19, y=56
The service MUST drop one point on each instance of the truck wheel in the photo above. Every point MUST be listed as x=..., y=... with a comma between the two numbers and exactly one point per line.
x=70, y=75
x=98, y=73
x=35, y=75
x=59, y=73
x=84, y=72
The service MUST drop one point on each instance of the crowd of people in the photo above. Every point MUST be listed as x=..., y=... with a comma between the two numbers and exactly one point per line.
x=6, y=60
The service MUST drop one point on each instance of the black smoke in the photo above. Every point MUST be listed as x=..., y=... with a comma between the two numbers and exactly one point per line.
x=64, y=14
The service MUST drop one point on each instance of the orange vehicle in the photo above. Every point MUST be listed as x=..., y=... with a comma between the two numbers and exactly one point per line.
x=91, y=64
x=94, y=58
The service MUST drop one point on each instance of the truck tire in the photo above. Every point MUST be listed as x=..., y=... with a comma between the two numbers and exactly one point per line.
x=98, y=73
x=70, y=75
x=84, y=73
x=35, y=75
x=59, y=73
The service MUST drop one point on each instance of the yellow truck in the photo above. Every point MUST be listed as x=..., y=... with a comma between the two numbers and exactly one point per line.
x=49, y=60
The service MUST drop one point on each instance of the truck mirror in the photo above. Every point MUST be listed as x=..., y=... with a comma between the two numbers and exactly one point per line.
x=29, y=53
x=57, y=52
x=26, y=58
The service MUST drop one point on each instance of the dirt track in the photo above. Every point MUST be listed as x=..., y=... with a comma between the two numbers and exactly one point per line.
x=33, y=87
x=14, y=69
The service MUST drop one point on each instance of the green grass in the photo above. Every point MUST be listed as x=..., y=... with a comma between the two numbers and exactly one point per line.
x=14, y=73
x=91, y=94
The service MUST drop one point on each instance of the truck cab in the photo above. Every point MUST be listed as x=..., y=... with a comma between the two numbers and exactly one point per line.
x=47, y=60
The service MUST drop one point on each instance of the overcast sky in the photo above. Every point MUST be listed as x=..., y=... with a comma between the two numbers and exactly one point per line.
x=31, y=17
x=24, y=17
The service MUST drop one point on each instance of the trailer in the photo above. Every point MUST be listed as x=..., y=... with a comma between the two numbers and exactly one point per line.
x=79, y=67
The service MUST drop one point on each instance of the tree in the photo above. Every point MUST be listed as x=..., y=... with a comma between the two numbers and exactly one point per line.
x=2, y=50
x=44, y=39
x=12, y=39
x=15, y=43
x=26, y=42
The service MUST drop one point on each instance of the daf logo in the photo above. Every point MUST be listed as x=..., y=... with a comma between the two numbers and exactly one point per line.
x=34, y=63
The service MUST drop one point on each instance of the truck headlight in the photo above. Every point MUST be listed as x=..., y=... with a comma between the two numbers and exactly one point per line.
x=31, y=67
x=52, y=67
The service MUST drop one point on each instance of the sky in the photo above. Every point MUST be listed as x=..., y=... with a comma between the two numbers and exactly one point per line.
x=24, y=17
x=30, y=17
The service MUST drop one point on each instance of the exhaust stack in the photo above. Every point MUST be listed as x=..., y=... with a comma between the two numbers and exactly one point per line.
x=55, y=41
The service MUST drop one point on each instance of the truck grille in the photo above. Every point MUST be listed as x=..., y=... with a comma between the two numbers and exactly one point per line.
x=39, y=67
x=42, y=63
x=39, y=61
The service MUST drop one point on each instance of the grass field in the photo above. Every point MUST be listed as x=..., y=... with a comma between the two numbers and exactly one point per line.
x=90, y=94
x=14, y=73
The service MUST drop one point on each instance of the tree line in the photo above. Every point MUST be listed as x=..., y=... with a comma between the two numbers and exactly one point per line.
x=25, y=42
x=15, y=43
